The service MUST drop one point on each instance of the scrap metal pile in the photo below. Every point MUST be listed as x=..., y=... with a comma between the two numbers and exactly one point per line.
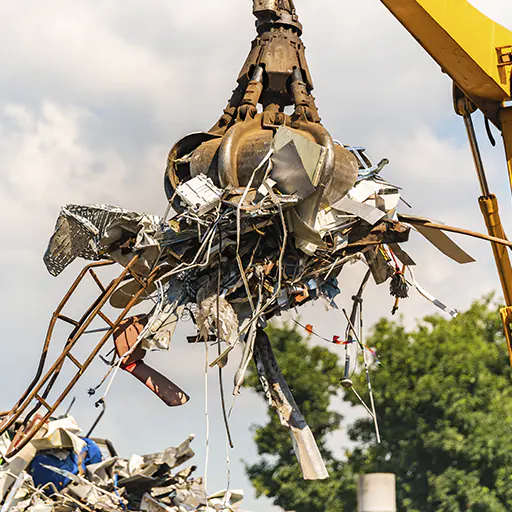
x=61, y=471
x=233, y=258
x=265, y=211
x=238, y=257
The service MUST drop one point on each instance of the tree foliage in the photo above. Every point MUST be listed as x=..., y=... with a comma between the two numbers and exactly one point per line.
x=444, y=399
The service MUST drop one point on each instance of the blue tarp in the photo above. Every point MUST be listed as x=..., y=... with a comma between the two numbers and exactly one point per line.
x=54, y=458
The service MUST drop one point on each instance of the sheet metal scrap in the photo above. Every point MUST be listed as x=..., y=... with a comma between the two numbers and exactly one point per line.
x=280, y=397
x=267, y=212
x=62, y=471
x=87, y=232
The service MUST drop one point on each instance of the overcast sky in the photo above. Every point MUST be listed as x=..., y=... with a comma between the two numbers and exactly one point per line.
x=94, y=93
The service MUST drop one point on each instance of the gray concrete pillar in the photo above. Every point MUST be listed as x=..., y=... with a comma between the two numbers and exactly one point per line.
x=377, y=493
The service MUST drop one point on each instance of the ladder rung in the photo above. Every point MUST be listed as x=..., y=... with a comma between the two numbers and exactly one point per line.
x=97, y=280
x=137, y=278
x=68, y=320
x=75, y=361
x=43, y=402
x=106, y=318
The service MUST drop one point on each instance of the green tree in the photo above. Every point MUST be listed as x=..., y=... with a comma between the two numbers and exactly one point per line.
x=444, y=400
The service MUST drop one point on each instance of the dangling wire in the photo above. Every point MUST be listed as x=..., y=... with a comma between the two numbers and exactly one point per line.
x=347, y=382
x=336, y=340
x=228, y=463
x=356, y=299
x=207, y=421
x=266, y=160
x=219, y=351
x=362, y=401
x=309, y=330
x=367, y=371
x=92, y=391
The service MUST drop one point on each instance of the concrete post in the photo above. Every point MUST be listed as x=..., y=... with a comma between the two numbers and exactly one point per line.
x=377, y=493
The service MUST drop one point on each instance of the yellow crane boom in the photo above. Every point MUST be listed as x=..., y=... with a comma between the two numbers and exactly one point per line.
x=473, y=50
x=476, y=53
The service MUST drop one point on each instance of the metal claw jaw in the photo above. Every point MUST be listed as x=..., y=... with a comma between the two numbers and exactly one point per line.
x=275, y=76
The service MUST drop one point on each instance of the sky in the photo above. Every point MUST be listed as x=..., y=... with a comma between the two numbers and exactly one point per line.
x=92, y=96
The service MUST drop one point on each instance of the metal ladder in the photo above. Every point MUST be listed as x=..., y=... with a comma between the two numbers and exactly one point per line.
x=37, y=392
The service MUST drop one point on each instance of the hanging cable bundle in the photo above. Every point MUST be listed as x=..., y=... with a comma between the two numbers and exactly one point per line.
x=398, y=288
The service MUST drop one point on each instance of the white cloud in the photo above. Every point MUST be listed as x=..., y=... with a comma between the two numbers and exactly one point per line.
x=498, y=10
x=44, y=159
x=68, y=49
x=92, y=95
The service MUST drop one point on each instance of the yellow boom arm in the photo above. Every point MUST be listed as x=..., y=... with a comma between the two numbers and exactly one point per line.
x=476, y=53
x=473, y=50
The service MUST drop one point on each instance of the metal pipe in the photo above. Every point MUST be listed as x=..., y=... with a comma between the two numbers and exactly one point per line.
x=451, y=229
x=258, y=73
x=477, y=157
x=103, y=405
x=506, y=130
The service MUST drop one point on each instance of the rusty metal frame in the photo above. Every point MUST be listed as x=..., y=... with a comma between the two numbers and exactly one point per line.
x=40, y=387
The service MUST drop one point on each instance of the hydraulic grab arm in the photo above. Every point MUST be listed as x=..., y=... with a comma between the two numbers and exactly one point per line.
x=476, y=53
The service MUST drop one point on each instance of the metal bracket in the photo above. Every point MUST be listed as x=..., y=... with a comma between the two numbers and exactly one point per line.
x=504, y=56
x=506, y=317
x=505, y=65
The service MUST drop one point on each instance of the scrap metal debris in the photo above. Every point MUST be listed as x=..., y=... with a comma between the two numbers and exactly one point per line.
x=280, y=397
x=237, y=257
x=62, y=471
x=265, y=212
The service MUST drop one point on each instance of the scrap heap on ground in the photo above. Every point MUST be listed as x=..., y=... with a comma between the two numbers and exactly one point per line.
x=61, y=471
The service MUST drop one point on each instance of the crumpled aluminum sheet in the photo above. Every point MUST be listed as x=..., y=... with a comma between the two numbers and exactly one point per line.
x=78, y=232
x=162, y=325
x=61, y=434
x=208, y=315
x=87, y=231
